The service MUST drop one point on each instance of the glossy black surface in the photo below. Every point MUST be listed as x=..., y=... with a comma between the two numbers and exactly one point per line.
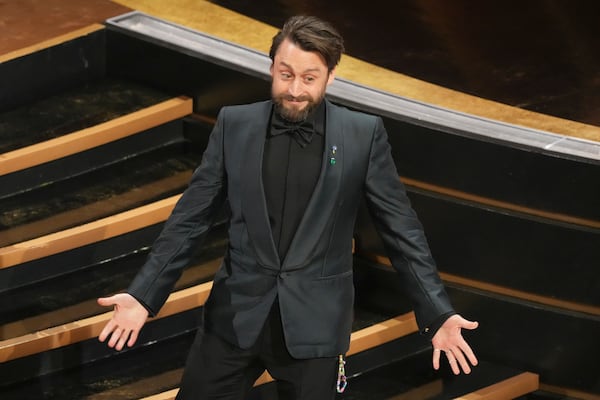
x=89, y=367
x=415, y=377
x=558, y=344
x=95, y=195
x=96, y=158
x=498, y=172
x=47, y=72
x=539, y=55
x=65, y=112
x=38, y=270
x=476, y=242
x=41, y=301
x=210, y=85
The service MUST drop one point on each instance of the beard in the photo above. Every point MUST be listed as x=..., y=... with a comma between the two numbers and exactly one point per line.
x=291, y=113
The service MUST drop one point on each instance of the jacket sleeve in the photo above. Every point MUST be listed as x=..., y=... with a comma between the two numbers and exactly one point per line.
x=403, y=237
x=186, y=227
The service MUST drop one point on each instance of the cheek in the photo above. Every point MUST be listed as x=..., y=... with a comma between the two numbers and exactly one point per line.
x=317, y=93
x=278, y=86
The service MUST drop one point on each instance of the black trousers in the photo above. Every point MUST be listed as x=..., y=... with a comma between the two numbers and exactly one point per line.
x=215, y=369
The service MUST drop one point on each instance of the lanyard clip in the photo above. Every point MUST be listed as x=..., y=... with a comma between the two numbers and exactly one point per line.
x=342, y=382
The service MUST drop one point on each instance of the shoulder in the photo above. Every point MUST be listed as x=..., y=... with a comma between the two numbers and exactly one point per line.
x=357, y=123
x=345, y=114
x=246, y=110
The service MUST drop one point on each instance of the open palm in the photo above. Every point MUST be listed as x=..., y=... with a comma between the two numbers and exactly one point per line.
x=449, y=340
x=128, y=318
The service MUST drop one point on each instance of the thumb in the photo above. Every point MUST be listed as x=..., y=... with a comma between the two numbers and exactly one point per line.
x=107, y=301
x=470, y=324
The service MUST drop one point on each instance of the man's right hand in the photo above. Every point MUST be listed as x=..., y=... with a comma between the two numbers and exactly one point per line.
x=128, y=318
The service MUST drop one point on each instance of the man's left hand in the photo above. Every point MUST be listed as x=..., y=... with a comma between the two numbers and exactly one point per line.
x=448, y=340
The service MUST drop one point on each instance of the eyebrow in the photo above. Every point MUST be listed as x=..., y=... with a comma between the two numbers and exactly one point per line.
x=315, y=69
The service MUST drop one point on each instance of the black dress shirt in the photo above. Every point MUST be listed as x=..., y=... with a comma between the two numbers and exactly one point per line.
x=290, y=174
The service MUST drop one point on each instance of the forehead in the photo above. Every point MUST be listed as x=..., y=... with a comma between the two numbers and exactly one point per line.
x=291, y=55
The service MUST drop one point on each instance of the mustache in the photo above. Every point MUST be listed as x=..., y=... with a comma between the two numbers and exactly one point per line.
x=294, y=98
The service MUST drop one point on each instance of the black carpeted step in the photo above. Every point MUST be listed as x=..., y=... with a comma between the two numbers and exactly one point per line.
x=91, y=369
x=115, y=188
x=85, y=106
x=72, y=296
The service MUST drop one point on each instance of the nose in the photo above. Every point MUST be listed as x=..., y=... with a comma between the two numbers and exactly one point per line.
x=295, y=88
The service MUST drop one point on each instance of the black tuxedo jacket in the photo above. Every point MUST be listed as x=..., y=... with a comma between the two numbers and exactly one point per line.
x=314, y=282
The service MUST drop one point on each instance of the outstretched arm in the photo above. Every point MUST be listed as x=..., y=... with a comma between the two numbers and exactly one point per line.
x=406, y=245
x=128, y=318
x=448, y=339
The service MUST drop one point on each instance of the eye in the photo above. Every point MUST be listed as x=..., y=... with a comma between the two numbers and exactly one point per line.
x=309, y=79
x=286, y=75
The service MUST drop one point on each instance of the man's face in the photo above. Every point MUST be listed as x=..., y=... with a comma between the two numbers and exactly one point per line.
x=299, y=81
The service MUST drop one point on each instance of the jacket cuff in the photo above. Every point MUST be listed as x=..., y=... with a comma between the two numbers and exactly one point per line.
x=151, y=313
x=430, y=330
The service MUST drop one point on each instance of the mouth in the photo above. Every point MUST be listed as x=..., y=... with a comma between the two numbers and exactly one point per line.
x=296, y=102
x=293, y=108
x=291, y=99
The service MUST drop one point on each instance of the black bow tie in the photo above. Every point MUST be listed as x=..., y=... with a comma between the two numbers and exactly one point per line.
x=301, y=131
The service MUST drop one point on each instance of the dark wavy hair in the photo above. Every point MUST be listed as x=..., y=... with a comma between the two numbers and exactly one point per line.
x=311, y=34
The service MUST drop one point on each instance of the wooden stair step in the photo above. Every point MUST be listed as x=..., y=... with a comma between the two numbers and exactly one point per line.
x=93, y=136
x=116, y=188
x=178, y=301
x=414, y=378
x=102, y=370
x=509, y=388
x=432, y=386
x=83, y=235
x=88, y=328
x=69, y=298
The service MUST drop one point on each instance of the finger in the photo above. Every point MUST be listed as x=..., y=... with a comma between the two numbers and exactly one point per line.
x=452, y=362
x=132, y=338
x=107, y=301
x=436, y=358
x=122, y=340
x=470, y=325
x=466, y=349
x=108, y=328
x=114, y=337
x=461, y=361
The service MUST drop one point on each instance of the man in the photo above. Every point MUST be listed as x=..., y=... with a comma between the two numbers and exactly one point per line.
x=293, y=171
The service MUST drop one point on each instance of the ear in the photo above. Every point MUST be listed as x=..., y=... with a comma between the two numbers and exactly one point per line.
x=271, y=70
x=331, y=76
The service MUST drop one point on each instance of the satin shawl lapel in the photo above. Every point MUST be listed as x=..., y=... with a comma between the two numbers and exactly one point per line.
x=323, y=201
x=254, y=204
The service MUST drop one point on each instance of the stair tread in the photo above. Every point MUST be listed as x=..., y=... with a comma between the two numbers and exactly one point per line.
x=73, y=110
x=415, y=377
x=70, y=297
x=115, y=376
x=97, y=194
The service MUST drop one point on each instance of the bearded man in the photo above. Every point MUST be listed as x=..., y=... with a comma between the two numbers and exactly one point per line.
x=292, y=170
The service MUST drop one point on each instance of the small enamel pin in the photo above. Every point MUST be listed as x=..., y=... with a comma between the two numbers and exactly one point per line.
x=332, y=158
